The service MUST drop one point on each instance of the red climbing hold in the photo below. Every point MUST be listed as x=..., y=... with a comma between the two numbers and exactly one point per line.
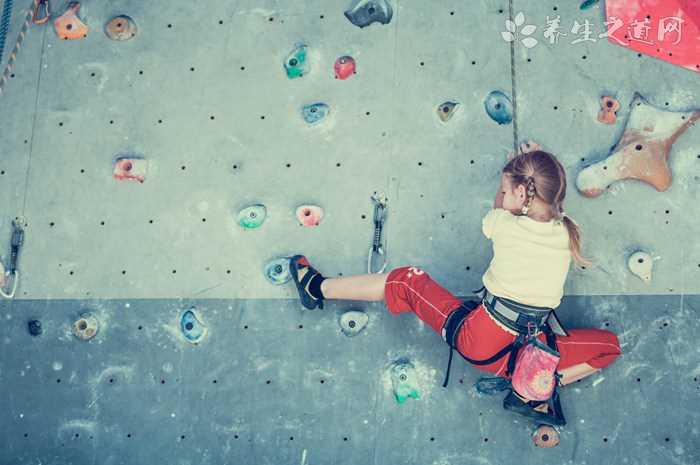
x=132, y=168
x=667, y=30
x=344, y=67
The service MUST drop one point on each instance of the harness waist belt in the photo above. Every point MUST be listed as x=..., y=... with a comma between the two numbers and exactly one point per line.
x=514, y=315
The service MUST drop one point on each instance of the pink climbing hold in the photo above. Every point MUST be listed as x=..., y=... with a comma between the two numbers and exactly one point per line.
x=667, y=30
x=642, y=152
x=309, y=215
x=344, y=67
x=130, y=168
x=608, y=110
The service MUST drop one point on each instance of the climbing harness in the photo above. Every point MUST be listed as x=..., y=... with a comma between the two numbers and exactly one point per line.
x=527, y=321
x=31, y=17
x=15, y=245
x=380, y=200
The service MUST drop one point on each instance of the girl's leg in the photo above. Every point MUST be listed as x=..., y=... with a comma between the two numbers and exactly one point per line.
x=586, y=351
x=576, y=372
x=361, y=287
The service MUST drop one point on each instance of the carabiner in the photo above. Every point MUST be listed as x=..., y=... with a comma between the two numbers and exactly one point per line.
x=37, y=5
x=379, y=199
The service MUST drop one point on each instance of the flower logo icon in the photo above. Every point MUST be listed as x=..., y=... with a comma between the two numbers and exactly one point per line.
x=511, y=34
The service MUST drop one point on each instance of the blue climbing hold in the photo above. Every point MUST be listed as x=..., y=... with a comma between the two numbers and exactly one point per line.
x=277, y=271
x=588, y=3
x=296, y=64
x=365, y=12
x=315, y=112
x=499, y=107
x=193, y=329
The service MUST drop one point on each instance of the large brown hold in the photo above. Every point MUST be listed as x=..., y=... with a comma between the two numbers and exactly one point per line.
x=642, y=152
x=121, y=27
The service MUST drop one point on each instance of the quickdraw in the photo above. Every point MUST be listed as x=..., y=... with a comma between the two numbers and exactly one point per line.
x=380, y=200
x=15, y=246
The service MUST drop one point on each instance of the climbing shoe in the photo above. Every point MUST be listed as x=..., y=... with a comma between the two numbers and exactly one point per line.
x=303, y=273
x=554, y=415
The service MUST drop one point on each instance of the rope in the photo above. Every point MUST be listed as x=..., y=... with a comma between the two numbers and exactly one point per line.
x=5, y=25
x=512, y=83
x=20, y=38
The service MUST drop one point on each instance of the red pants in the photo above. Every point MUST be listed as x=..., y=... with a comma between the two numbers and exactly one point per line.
x=411, y=289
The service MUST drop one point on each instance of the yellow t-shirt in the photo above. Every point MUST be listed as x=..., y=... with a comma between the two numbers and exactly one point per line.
x=530, y=258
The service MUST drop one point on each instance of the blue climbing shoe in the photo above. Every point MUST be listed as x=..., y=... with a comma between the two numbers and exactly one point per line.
x=302, y=272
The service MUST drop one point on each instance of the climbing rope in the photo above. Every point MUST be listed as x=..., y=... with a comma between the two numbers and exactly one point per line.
x=512, y=83
x=5, y=25
x=32, y=16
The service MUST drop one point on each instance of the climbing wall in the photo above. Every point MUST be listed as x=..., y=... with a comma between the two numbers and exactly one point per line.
x=200, y=95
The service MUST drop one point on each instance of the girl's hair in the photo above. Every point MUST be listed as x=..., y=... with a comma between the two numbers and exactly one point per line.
x=543, y=171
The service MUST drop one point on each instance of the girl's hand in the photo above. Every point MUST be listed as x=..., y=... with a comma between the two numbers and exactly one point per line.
x=525, y=147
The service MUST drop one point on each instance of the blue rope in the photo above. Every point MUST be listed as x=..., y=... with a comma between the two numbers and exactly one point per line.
x=5, y=25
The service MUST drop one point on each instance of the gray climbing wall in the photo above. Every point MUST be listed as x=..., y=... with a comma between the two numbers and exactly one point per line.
x=202, y=94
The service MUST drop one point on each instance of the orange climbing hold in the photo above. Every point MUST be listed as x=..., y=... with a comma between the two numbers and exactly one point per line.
x=642, y=152
x=68, y=25
x=608, y=110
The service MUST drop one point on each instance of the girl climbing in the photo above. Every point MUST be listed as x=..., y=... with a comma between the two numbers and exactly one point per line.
x=533, y=244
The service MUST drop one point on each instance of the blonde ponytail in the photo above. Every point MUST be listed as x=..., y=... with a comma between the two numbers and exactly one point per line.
x=575, y=241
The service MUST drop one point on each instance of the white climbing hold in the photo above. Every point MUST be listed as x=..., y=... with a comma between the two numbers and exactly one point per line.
x=353, y=322
x=640, y=264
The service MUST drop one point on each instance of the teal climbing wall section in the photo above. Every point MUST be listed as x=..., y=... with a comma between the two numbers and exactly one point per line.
x=202, y=94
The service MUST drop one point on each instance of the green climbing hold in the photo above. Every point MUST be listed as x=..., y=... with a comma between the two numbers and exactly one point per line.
x=296, y=64
x=252, y=217
x=403, y=380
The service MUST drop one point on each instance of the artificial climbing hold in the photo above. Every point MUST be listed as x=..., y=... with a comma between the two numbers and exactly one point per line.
x=446, y=110
x=121, y=27
x=315, y=112
x=296, y=64
x=546, y=436
x=365, y=12
x=252, y=217
x=192, y=327
x=68, y=25
x=130, y=167
x=588, y=3
x=35, y=327
x=277, y=271
x=499, y=107
x=642, y=152
x=640, y=264
x=403, y=380
x=353, y=322
x=86, y=326
x=608, y=110
x=309, y=215
x=344, y=67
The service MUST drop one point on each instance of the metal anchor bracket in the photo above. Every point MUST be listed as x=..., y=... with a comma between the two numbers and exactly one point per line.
x=380, y=200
